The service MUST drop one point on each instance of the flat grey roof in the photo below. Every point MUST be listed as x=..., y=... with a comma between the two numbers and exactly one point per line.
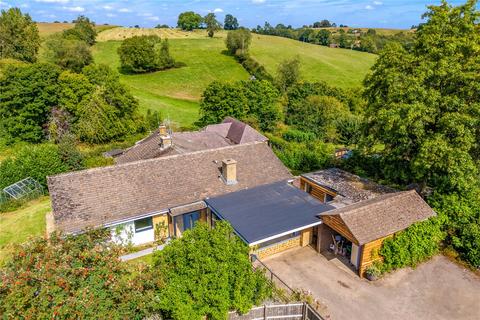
x=264, y=212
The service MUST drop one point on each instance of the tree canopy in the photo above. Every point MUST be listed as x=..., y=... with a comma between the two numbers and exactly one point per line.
x=207, y=272
x=69, y=54
x=189, y=20
x=141, y=54
x=19, y=37
x=230, y=22
x=238, y=41
x=211, y=24
x=423, y=103
x=83, y=30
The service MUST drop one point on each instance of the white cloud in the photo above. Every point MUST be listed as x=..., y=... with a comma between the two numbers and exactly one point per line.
x=74, y=9
x=258, y=1
x=124, y=10
x=368, y=7
x=4, y=5
x=107, y=7
x=377, y=3
x=154, y=18
x=111, y=15
x=144, y=14
x=53, y=1
x=218, y=10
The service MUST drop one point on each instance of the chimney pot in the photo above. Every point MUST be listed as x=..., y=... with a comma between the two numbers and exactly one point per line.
x=162, y=130
x=229, y=171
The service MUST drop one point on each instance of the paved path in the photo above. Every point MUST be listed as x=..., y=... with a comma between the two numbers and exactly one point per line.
x=437, y=289
x=142, y=253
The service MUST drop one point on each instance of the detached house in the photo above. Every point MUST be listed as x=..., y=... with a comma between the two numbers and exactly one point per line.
x=234, y=177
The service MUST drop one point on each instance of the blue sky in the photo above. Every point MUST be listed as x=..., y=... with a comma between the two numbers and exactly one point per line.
x=356, y=13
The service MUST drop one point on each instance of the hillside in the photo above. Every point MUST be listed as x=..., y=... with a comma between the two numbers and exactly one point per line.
x=176, y=92
x=339, y=67
x=47, y=28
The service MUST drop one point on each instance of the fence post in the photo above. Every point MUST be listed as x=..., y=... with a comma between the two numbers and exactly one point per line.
x=304, y=311
x=264, y=312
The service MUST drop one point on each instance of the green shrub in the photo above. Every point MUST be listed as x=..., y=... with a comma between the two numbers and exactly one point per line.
x=415, y=244
x=37, y=161
x=298, y=136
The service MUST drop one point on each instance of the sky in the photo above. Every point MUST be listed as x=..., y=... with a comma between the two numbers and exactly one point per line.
x=250, y=13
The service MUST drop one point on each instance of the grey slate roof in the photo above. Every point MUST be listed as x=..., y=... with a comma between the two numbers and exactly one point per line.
x=383, y=215
x=347, y=185
x=230, y=132
x=268, y=210
x=100, y=196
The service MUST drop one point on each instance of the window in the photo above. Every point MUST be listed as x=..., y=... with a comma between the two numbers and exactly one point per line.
x=143, y=224
x=328, y=197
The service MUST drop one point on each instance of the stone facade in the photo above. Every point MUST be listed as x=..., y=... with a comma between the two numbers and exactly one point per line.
x=278, y=247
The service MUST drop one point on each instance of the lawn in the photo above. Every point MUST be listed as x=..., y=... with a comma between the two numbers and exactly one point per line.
x=176, y=92
x=17, y=226
x=339, y=67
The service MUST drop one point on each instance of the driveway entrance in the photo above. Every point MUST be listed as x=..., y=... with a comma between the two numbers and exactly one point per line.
x=437, y=289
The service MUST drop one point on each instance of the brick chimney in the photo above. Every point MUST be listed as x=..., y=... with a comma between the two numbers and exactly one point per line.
x=229, y=171
x=165, y=137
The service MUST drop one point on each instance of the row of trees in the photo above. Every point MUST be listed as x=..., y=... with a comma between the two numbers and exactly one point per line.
x=204, y=274
x=190, y=20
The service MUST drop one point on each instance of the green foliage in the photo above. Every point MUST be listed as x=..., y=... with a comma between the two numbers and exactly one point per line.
x=302, y=157
x=211, y=24
x=423, y=103
x=141, y=54
x=415, y=244
x=74, y=277
x=153, y=119
x=254, y=100
x=230, y=22
x=27, y=94
x=462, y=225
x=38, y=162
x=298, y=136
x=74, y=87
x=288, y=73
x=19, y=37
x=238, y=41
x=323, y=37
x=189, y=20
x=68, y=54
x=84, y=30
x=207, y=272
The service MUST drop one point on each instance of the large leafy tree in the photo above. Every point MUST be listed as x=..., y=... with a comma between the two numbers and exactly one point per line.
x=19, y=38
x=27, y=94
x=212, y=24
x=207, y=272
x=74, y=277
x=238, y=41
x=189, y=20
x=423, y=104
x=69, y=54
x=83, y=30
x=251, y=101
x=230, y=22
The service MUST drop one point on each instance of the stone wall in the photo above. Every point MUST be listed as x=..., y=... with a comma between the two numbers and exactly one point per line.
x=278, y=247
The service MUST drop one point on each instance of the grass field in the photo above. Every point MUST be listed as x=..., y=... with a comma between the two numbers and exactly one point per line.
x=46, y=28
x=339, y=67
x=17, y=226
x=176, y=92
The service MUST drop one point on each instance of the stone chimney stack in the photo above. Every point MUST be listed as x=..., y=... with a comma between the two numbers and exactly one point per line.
x=229, y=171
x=165, y=137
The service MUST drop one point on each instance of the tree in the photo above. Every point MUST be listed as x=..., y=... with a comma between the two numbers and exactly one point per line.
x=69, y=54
x=189, y=20
x=141, y=54
x=27, y=94
x=238, y=41
x=423, y=104
x=83, y=30
x=323, y=37
x=288, y=73
x=207, y=273
x=19, y=37
x=322, y=24
x=77, y=277
x=342, y=39
x=212, y=24
x=230, y=22
x=251, y=101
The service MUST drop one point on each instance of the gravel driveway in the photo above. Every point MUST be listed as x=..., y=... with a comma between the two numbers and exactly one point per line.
x=437, y=289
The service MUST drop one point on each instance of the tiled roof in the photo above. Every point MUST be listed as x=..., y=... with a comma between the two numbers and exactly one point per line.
x=100, y=196
x=347, y=185
x=383, y=215
x=230, y=132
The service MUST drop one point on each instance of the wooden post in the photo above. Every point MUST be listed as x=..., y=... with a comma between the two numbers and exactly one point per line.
x=265, y=312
